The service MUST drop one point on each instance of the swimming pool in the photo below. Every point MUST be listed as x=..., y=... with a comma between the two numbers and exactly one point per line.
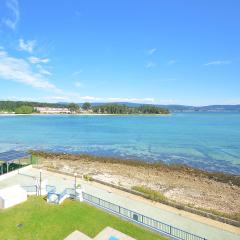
x=113, y=238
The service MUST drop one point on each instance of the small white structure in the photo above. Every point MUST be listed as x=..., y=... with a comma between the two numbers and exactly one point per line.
x=11, y=196
x=79, y=195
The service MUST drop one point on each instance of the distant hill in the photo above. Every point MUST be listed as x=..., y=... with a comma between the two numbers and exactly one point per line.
x=12, y=105
x=182, y=108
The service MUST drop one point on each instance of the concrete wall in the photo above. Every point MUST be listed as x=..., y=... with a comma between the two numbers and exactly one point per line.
x=15, y=172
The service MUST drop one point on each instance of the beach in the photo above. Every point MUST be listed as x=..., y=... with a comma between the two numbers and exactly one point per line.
x=183, y=185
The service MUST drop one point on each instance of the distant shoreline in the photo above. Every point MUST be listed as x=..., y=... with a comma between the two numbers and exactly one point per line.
x=81, y=114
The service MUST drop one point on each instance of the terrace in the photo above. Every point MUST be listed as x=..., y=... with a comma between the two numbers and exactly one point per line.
x=133, y=209
x=36, y=219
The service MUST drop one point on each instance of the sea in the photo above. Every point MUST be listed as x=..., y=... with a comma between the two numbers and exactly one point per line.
x=209, y=141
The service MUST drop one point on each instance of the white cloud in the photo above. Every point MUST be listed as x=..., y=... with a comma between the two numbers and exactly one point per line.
x=14, y=17
x=136, y=100
x=90, y=98
x=27, y=46
x=151, y=51
x=74, y=97
x=167, y=101
x=217, y=62
x=19, y=70
x=150, y=64
x=42, y=70
x=35, y=60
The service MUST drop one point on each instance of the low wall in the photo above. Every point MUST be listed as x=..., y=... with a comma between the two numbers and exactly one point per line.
x=15, y=172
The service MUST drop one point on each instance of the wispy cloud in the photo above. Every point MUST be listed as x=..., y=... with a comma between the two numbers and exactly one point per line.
x=217, y=62
x=76, y=73
x=78, y=84
x=170, y=79
x=136, y=100
x=12, y=20
x=167, y=101
x=78, y=13
x=172, y=61
x=150, y=64
x=74, y=97
x=27, y=46
x=19, y=70
x=42, y=70
x=36, y=60
x=151, y=51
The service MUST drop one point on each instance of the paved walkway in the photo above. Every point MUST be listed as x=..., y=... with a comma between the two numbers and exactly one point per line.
x=184, y=220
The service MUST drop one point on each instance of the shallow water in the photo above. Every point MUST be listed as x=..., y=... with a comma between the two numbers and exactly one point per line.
x=205, y=140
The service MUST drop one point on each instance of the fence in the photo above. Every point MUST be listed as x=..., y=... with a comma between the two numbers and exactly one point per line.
x=141, y=219
x=33, y=189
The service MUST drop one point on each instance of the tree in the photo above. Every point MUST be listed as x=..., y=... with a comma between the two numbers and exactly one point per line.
x=86, y=106
x=73, y=107
x=24, y=110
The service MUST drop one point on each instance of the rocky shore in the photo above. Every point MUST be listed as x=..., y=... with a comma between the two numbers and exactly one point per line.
x=217, y=193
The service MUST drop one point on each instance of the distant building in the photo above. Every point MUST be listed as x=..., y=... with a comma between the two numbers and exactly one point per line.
x=49, y=110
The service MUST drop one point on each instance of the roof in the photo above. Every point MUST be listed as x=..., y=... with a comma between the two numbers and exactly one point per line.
x=12, y=155
x=10, y=192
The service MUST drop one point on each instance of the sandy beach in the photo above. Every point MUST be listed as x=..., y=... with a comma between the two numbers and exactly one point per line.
x=181, y=185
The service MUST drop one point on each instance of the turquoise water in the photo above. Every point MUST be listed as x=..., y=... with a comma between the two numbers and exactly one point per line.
x=113, y=238
x=204, y=140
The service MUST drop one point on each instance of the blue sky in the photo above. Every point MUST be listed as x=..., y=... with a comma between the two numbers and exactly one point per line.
x=152, y=51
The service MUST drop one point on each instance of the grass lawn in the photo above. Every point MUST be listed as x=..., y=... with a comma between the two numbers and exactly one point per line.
x=43, y=221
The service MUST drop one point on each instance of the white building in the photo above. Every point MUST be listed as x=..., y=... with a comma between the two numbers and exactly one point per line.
x=12, y=196
x=49, y=110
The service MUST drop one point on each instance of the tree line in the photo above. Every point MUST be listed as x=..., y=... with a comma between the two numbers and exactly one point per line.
x=23, y=107
x=124, y=109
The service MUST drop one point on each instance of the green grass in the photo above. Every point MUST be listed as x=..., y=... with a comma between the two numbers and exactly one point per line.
x=150, y=194
x=233, y=216
x=43, y=221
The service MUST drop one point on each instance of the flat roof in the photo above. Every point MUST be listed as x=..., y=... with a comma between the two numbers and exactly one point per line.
x=13, y=155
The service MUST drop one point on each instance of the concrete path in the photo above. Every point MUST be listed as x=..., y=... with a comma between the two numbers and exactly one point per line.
x=189, y=222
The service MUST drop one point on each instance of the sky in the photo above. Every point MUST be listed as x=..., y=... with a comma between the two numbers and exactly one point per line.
x=146, y=51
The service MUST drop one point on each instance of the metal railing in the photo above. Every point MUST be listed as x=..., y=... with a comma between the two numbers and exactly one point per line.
x=30, y=189
x=148, y=222
x=50, y=188
x=34, y=189
x=153, y=224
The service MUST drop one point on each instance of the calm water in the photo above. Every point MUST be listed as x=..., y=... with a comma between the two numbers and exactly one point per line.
x=205, y=140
